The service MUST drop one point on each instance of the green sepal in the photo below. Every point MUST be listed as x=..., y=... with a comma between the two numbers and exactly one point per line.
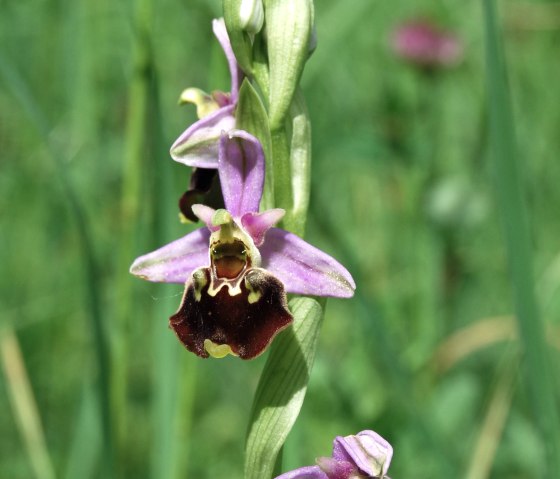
x=282, y=388
x=288, y=26
x=239, y=39
x=251, y=116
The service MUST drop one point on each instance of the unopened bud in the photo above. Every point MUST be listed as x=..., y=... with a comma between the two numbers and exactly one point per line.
x=251, y=15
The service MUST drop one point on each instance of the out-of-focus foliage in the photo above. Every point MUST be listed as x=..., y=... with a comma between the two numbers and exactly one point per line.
x=401, y=194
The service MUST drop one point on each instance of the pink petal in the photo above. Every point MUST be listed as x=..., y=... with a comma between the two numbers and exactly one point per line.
x=303, y=268
x=174, y=262
x=308, y=472
x=257, y=224
x=241, y=170
x=219, y=28
x=198, y=145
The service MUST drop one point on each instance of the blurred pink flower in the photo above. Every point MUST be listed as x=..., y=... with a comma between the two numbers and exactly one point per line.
x=425, y=44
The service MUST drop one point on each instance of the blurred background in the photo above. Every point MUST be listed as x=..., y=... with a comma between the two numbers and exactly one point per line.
x=426, y=353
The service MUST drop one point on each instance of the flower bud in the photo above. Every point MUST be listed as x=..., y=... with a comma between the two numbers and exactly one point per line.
x=251, y=16
x=367, y=450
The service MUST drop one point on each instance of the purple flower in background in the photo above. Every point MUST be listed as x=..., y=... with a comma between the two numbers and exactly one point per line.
x=238, y=269
x=424, y=44
x=365, y=455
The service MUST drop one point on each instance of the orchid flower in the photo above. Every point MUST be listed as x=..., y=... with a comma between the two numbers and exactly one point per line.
x=365, y=455
x=197, y=146
x=238, y=269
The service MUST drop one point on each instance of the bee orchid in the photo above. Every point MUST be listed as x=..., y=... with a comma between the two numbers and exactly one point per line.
x=239, y=267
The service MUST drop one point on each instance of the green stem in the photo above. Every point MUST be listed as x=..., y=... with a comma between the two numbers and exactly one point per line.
x=509, y=192
x=24, y=405
x=135, y=149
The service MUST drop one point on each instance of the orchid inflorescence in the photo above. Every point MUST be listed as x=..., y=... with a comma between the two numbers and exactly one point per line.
x=238, y=269
x=251, y=145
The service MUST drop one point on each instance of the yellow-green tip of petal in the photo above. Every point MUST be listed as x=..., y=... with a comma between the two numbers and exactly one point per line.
x=205, y=104
x=217, y=351
x=184, y=220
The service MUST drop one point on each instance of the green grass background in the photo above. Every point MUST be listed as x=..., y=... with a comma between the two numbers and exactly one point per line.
x=403, y=194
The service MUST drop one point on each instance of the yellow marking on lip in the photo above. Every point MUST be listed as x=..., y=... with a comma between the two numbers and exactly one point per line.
x=217, y=351
x=199, y=281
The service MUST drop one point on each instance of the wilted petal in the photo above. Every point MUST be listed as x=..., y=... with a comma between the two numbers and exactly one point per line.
x=246, y=321
x=257, y=224
x=175, y=262
x=241, y=170
x=198, y=145
x=303, y=268
x=308, y=472
x=367, y=450
x=220, y=31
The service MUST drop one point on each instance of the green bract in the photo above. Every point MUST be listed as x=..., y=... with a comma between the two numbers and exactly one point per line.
x=239, y=37
x=288, y=29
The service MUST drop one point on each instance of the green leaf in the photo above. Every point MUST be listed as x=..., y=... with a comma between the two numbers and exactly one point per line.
x=240, y=41
x=288, y=28
x=251, y=116
x=282, y=388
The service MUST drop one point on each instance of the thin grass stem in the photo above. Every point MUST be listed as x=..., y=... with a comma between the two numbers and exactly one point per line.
x=509, y=193
x=24, y=406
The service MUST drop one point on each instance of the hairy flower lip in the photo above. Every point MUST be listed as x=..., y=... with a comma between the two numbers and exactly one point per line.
x=246, y=322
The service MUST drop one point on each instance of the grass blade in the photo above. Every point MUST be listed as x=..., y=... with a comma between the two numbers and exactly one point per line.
x=24, y=405
x=22, y=92
x=509, y=193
